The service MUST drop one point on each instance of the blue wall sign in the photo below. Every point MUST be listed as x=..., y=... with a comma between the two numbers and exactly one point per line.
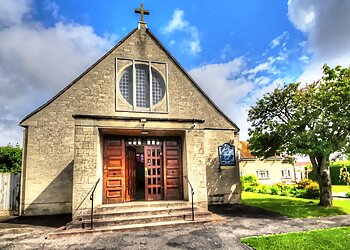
x=227, y=155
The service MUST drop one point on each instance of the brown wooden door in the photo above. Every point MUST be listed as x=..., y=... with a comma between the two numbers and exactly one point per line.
x=153, y=173
x=172, y=169
x=130, y=174
x=113, y=171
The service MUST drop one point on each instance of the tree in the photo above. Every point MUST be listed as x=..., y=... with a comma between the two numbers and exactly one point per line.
x=312, y=120
x=10, y=158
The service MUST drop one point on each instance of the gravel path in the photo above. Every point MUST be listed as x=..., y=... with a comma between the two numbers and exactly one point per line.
x=242, y=221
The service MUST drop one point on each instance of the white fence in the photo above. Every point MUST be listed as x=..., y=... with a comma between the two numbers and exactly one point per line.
x=9, y=192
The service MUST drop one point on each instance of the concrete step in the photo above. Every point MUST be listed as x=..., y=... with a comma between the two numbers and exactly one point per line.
x=141, y=205
x=111, y=222
x=62, y=232
x=139, y=212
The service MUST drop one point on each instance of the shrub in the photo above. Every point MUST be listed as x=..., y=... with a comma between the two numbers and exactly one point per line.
x=275, y=190
x=247, y=181
x=347, y=194
x=312, y=191
x=251, y=189
x=252, y=180
x=10, y=158
x=303, y=183
x=264, y=189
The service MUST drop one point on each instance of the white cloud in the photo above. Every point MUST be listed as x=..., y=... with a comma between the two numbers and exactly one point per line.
x=233, y=89
x=178, y=23
x=226, y=51
x=13, y=11
x=35, y=62
x=277, y=41
x=326, y=25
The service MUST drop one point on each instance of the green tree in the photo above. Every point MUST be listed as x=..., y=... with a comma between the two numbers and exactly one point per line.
x=312, y=120
x=10, y=158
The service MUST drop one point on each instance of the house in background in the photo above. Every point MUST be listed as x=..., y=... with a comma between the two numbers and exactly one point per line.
x=270, y=171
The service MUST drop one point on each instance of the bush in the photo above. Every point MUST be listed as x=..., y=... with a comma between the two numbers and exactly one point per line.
x=335, y=169
x=10, y=158
x=312, y=191
x=303, y=183
x=347, y=194
x=263, y=189
x=247, y=181
x=275, y=190
x=334, y=172
x=251, y=189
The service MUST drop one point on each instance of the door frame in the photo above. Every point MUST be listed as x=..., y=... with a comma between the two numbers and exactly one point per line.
x=123, y=139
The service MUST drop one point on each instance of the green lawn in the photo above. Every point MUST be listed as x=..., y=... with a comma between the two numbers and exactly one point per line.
x=340, y=188
x=334, y=238
x=294, y=207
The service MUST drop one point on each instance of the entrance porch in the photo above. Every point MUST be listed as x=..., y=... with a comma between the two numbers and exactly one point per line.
x=137, y=159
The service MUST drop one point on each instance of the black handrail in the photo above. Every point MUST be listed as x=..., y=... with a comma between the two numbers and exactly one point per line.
x=92, y=203
x=192, y=193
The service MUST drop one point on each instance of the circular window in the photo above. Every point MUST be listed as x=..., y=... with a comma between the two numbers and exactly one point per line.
x=143, y=87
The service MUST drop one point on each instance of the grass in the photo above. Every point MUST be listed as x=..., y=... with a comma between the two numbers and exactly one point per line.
x=295, y=207
x=334, y=238
x=340, y=188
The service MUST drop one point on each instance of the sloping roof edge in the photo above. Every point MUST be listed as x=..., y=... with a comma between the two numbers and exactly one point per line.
x=108, y=53
x=78, y=78
x=193, y=81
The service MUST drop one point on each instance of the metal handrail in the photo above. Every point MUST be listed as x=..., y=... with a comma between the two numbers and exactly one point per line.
x=92, y=203
x=192, y=193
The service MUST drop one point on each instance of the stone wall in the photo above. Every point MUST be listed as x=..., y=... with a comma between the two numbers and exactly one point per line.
x=224, y=182
x=51, y=131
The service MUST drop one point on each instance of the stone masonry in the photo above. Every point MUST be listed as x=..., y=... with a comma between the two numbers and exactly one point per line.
x=63, y=156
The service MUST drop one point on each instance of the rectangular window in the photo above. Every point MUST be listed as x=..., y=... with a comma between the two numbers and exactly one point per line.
x=286, y=173
x=262, y=174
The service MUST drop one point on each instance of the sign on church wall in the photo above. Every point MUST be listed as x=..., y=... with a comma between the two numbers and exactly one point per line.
x=227, y=155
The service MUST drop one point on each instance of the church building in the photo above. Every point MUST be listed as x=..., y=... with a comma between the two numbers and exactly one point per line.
x=135, y=125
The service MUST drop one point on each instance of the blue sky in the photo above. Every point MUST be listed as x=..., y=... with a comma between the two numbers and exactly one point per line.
x=236, y=50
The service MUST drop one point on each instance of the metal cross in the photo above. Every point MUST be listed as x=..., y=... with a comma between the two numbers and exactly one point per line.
x=142, y=12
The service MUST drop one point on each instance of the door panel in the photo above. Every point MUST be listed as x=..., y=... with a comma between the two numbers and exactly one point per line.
x=153, y=173
x=130, y=174
x=113, y=171
x=172, y=170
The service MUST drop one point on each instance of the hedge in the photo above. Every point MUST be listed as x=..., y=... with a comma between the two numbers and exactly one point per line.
x=334, y=171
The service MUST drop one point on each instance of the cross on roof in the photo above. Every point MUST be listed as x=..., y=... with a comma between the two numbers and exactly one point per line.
x=142, y=12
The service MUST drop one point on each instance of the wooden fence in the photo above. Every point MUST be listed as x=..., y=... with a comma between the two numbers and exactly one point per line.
x=9, y=193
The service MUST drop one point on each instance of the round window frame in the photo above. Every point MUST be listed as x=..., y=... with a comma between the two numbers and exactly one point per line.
x=131, y=105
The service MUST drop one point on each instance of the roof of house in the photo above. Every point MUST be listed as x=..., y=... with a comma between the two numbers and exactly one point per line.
x=109, y=52
x=245, y=153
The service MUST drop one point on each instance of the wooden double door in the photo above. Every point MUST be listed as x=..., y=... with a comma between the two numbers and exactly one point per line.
x=162, y=171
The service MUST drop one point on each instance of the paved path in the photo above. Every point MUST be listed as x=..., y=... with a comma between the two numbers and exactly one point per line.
x=242, y=221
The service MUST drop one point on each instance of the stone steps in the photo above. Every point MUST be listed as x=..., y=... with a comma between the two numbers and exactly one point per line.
x=140, y=212
x=137, y=216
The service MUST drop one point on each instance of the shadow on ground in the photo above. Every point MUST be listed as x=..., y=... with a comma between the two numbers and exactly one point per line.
x=240, y=210
x=45, y=220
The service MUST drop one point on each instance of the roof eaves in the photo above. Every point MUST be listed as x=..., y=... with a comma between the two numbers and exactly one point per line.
x=78, y=78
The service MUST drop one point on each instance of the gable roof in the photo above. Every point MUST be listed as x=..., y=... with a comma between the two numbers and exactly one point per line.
x=109, y=52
